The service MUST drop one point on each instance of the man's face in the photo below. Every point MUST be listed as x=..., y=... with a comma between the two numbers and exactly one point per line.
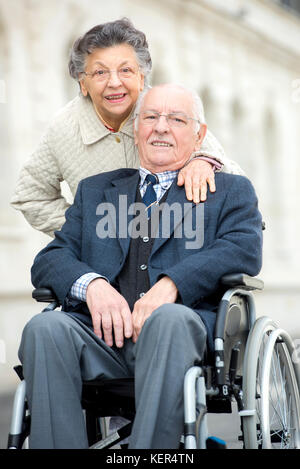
x=114, y=97
x=163, y=146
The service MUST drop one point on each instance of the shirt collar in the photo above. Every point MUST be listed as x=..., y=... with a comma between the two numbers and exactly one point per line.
x=165, y=178
x=91, y=127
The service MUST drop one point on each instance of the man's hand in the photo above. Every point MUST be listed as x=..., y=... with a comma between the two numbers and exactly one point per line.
x=195, y=177
x=164, y=291
x=110, y=312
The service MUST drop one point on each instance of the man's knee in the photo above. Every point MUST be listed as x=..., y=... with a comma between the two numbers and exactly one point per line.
x=45, y=323
x=42, y=320
x=176, y=317
x=43, y=331
x=174, y=327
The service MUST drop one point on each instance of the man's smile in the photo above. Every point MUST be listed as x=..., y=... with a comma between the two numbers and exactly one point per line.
x=161, y=143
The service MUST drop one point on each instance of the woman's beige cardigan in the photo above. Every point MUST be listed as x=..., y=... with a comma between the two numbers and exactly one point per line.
x=77, y=145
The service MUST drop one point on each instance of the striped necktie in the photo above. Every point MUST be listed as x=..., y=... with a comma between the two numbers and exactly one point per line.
x=149, y=197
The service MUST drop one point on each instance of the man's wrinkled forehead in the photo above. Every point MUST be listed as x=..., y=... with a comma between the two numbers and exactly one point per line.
x=168, y=98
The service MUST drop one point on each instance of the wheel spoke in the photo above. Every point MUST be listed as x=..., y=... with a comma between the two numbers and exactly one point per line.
x=276, y=393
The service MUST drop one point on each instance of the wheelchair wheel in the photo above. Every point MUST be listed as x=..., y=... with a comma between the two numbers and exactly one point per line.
x=271, y=415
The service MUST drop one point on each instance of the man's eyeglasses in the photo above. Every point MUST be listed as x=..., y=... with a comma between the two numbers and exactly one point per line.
x=174, y=119
x=104, y=74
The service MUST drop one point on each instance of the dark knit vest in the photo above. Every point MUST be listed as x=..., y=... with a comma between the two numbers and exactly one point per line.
x=133, y=280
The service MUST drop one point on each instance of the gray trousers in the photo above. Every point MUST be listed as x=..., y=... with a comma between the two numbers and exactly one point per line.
x=58, y=352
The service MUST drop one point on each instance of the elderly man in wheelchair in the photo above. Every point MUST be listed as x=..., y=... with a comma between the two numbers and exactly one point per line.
x=158, y=320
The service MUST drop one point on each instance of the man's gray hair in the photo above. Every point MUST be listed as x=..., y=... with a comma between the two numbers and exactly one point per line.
x=108, y=35
x=198, y=105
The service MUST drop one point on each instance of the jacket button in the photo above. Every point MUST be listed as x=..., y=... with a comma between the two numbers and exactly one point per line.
x=146, y=239
x=141, y=294
x=143, y=267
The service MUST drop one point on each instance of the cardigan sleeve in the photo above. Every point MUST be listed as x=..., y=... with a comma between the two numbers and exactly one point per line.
x=38, y=192
x=212, y=148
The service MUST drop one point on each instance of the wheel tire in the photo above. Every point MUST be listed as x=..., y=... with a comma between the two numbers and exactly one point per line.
x=273, y=413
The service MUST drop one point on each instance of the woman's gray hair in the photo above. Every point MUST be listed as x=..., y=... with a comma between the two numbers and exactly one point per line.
x=198, y=105
x=108, y=35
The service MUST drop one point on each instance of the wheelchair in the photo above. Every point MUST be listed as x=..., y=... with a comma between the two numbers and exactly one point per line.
x=253, y=363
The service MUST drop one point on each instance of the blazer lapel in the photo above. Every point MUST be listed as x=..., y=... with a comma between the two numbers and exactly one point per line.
x=121, y=195
x=173, y=211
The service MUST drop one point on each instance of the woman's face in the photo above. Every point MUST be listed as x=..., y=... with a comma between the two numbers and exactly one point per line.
x=114, y=93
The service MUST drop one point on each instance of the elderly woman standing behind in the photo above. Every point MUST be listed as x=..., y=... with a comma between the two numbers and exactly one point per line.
x=94, y=132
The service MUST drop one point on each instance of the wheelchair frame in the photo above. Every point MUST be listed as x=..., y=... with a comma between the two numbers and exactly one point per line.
x=246, y=350
x=270, y=379
x=224, y=388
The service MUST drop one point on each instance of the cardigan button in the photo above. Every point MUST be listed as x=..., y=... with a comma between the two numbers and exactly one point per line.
x=143, y=267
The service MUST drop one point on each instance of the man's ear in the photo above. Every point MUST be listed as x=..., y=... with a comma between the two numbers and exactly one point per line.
x=201, y=136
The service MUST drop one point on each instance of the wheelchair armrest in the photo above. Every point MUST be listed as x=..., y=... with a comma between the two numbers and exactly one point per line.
x=44, y=295
x=242, y=280
x=236, y=282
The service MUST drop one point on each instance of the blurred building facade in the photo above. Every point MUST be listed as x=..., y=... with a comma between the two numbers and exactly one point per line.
x=242, y=56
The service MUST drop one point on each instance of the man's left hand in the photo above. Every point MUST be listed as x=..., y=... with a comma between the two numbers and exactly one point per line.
x=196, y=176
x=164, y=291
